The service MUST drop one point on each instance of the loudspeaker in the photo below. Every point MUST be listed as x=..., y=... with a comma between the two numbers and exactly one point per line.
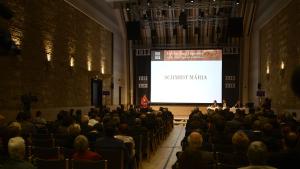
x=235, y=27
x=133, y=30
x=259, y=86
x=183, y=19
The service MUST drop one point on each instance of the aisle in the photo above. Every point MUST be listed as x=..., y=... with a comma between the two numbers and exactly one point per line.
x=165, y=155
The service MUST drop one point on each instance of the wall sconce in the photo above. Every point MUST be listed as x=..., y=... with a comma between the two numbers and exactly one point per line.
x=282, y=68
x=48, y=56
x=102, y=70
x=89, y=65
x=268, y=72
x=72, y=60
x=48, y=48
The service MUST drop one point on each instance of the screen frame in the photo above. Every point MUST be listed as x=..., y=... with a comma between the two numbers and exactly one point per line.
x=178, y=103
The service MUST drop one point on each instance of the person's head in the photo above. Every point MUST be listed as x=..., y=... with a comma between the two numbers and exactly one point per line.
x=138, y=121
x=14, y=129
x=257, y=153
x=2, y=120
x=195, y=139
x=38, y=114
x=240, y=140
x=16, y=148
x=85, y=119
x=74, y=129
x=123, y=128
x=291, y=140
x=109, y=129
x=81, y=144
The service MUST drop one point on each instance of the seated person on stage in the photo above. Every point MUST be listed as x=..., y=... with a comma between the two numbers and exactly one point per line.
x=215, y=104
x=238, y=104
x=225, y=106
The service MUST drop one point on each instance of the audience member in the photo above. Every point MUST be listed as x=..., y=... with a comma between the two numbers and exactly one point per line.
x=39, y=121
x=257, y=156
x=81, y=145
x=288, y=157
x=108, y=141
x=16, y=150
x=193, y=157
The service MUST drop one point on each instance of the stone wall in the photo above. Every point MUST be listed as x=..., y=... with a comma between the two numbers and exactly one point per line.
x=56, y=29
x=280, y=43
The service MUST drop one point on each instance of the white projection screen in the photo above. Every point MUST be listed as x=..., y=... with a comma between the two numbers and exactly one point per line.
x=186, y=76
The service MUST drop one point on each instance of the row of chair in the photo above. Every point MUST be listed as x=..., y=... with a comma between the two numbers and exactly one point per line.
x=114, y=157
x=69, y=164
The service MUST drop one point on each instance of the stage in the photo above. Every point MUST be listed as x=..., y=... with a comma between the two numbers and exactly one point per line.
x=181, y=111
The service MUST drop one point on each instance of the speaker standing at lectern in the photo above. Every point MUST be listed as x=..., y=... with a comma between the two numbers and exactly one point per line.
x=144, y=102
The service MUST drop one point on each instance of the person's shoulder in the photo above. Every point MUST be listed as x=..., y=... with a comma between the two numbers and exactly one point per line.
x=94, y=155
x=18, y=164
x=258, y=167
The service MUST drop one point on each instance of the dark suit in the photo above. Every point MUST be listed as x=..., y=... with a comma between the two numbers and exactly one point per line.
x=195, y=158
x=285, y=159
x=17, y=164
x=110, y=142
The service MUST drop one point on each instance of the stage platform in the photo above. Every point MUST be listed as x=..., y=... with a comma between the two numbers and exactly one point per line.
x=181, y=112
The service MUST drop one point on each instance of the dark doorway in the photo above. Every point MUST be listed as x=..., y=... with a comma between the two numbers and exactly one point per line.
x=96, y=92
x=120, y=95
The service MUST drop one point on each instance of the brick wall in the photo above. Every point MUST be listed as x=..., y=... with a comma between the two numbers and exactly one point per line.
x=279, y=42
x=46, y=26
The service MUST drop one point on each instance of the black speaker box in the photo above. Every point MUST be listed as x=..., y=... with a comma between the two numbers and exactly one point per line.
x=235, y=27
x=133, y=30
x=295, y=81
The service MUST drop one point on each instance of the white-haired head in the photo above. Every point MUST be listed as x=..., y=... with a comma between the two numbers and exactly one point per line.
x=16, y=148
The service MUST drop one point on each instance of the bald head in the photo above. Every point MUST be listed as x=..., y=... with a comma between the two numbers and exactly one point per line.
x=291, y=140
x=195, y=139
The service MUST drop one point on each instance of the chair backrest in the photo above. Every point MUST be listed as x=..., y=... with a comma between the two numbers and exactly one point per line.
x=114, y=156
x=87, y=164
x=225, y=148
x=42, y=136
x=51, y=164
x=227, y=166
x=61, y=142
x=67, y=152
x=146, y=144
x=45, y=152
x=138, y=147
x=47, y=142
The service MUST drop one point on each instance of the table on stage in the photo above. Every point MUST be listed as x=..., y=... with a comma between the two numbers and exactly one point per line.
x=232, y=109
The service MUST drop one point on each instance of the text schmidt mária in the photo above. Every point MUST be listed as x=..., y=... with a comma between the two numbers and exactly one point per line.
x=185, y=77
